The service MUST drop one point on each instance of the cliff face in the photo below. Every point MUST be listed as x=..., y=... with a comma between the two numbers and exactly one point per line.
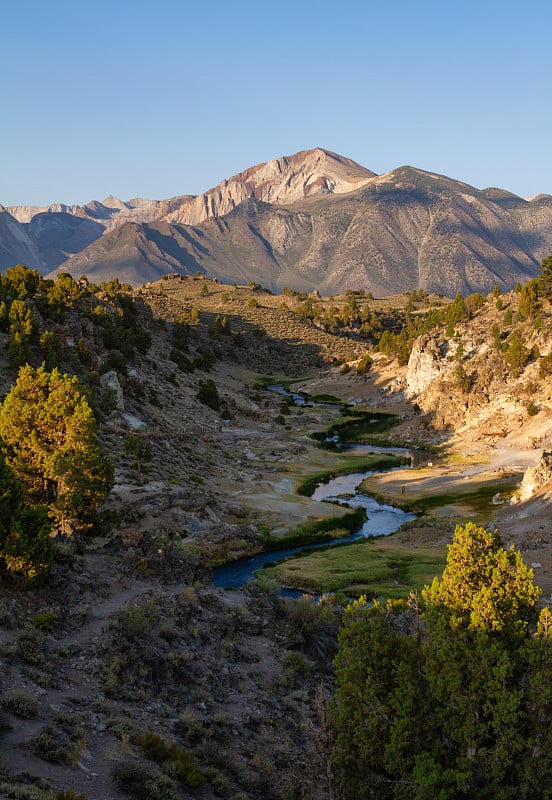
x=473, y=393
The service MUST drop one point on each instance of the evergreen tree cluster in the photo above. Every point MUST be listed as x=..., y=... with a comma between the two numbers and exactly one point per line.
x=452, y=699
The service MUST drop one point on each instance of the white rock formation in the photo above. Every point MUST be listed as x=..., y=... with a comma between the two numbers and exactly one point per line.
x=425, y=365
x=536, y=476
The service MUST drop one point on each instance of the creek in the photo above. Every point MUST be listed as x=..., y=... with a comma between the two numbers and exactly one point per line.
x=381, y=519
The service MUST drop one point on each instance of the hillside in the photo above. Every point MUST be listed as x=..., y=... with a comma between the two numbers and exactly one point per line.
x=314, y=220
x=128, y=633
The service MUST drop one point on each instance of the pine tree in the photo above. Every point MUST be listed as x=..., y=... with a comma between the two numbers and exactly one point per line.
x=25, y=543
x=49, y=431
x=458, y=705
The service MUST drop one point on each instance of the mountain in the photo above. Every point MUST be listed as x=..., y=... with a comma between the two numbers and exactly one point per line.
x=311, y=220
x=16, y=244
x=279, y=182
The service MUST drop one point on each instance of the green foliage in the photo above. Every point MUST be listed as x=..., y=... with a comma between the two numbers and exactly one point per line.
x=134, y=621
x=183, y=362
x=25, y=544
x=358, y=425
x=529, y=304
x=363, y=464
x=138, y=447
x=181, y=334
x=297, y=663
x=516, y=354
x=208, y=394
x=181, y=762
x=496, y=334
x=461, y=378
x=364, y=364
x=545, y=277
x=474, y=302
x=61, y=295
x=53, y=745
x=20, y=702
x=456, y=312
x=453, y=703
x=317, y=530
x=545, y=366
x=49, y=431
x=21, y=329
x=46, y=621
x=220, y=327
x=20, y=282
x=52, y=348
x=484, y=586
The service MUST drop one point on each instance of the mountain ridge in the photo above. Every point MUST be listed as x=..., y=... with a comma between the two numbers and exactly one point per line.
x=314, y=219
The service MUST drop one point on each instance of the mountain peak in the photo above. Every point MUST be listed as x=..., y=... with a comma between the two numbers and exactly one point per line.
x=281, y=181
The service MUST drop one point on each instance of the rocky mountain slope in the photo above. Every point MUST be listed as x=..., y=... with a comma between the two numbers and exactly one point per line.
x=311, y=220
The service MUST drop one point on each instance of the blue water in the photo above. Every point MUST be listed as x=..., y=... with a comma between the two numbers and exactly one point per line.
x=381, y=521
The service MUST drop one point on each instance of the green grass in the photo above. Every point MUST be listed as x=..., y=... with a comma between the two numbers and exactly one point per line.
x=358, y=425
x=330, y=399
x=262, y=381
x=376, y=567
x=479, y=499
x=346, y=466
x=317, y=530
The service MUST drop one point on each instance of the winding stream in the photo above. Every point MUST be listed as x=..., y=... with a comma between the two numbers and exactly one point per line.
x=381, y=519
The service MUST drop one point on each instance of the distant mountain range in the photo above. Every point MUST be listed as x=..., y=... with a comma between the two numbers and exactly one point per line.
x=311, y=220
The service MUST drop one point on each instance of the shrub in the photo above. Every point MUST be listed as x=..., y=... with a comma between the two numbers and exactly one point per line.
x=364, y=364
x=139, y=447
x=45, y=620
x=31, y=646
x=52, y=745
x=516, y=354
x=182, y=763
x=532, y=409
x=143, y=782
x=20, y=702
x=208, y=394
x=134, y=621
x=545, y=366
x=296, y=662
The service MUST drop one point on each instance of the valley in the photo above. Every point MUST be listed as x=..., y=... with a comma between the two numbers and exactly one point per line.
x=128, y=634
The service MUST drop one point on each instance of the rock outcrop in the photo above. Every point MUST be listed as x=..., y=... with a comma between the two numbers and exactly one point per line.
x=536, y=477
x=425, y=365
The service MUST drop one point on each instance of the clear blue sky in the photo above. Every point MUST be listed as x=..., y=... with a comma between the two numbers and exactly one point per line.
x=157, y=99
